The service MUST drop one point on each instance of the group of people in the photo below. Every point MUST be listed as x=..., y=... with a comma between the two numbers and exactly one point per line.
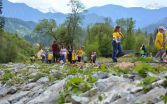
x=160, y=45
x=63, y=54
x=57, y=54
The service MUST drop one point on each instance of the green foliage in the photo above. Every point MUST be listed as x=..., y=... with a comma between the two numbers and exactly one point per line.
x=77, y=85
x=165, y=83
x=146, y=83
x=143, y=59
x=45, y=31
x=7, y=76
x=91, y=79
x=99, y=39
x=100, y=97
x=143, y=68
x=164, y=98
x=14, y=48
x=148, y=80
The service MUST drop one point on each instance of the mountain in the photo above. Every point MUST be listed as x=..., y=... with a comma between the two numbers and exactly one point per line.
x=24, y=12
x=152, y=27
x=22, y=28
x=142, y=16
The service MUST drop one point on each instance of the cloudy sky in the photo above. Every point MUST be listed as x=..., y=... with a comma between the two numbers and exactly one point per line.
x=61, y=5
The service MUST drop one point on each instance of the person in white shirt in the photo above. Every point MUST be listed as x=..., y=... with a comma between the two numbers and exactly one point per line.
x=63, y=53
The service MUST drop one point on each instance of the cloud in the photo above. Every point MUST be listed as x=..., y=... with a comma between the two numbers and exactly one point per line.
x=61, y=5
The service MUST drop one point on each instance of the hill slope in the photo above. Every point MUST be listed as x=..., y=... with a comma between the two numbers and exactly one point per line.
x=22, y=28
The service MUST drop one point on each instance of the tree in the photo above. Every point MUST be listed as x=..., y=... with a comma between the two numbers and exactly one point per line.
x=74, y=20
x=99, y=39
x=47, y=27
x=45, y=32
x=127, y=26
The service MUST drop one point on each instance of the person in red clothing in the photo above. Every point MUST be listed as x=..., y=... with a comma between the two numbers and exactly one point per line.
x=56, y=50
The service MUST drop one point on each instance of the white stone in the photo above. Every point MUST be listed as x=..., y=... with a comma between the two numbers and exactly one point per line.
x=50, y=95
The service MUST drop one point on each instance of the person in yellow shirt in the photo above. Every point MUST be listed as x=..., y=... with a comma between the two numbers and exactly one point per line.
x=74, y=56
x=80, y=54
x=116, y=43
x=50, y=56
x=159, y=40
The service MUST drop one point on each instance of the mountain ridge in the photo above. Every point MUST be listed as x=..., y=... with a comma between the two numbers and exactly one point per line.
x=143, y=17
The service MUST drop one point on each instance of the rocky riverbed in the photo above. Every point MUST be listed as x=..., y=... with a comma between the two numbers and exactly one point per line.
x=107, y=83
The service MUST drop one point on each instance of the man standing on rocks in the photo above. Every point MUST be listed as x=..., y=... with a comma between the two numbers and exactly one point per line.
x=56, y=50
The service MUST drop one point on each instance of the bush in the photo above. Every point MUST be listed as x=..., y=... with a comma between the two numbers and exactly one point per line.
x=143, y=68
x=13, y=48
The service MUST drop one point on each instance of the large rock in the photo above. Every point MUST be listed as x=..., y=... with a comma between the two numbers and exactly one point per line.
x=29, y=86
x=16, y=97
x=104, y=84
x=124, y=100
x=43, y=80
x=4, y=91
x=18, y=67
x=12, y=90
x=50, y=95
x=79, y=100
x=4, y=102
x=152, y=96
x=101, y=75
x=22, y=101
x=7, y=90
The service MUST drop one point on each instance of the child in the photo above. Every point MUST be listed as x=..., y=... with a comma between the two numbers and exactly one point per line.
x=32, y=58
x=93, y=57
x=159, y=44
x=63, y=53
x=39, y=53
x=143, y=51
x=50, y=57
x=80, y=53
x=74, y=57
x=43, y=55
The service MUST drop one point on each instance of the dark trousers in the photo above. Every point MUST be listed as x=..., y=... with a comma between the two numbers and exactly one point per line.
x=159, y=54
x=70, y=58
x=55, y=57
x=79, y=58
x=63, y=58
x=117, y=50
x=49, y=61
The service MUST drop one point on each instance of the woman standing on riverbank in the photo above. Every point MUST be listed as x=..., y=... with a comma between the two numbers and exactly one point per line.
x=116, y=43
